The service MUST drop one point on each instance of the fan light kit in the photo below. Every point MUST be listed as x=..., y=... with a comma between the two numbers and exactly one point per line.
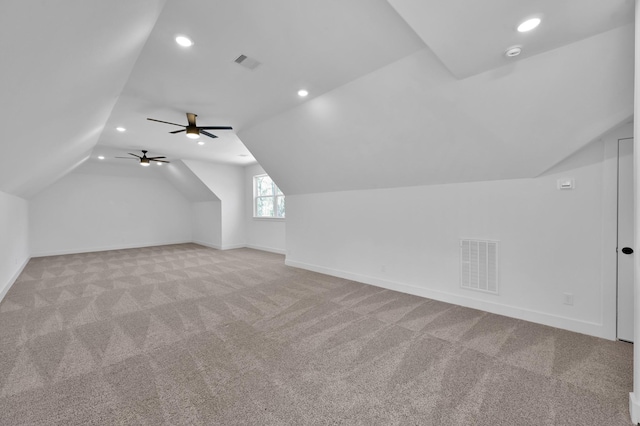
x=144, y=160
x=302, y=93
x=194, y=131
x=120, y=129
x=528, y=25
x=184, y=41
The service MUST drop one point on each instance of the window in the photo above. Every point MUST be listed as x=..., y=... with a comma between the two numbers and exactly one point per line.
x=268, y=200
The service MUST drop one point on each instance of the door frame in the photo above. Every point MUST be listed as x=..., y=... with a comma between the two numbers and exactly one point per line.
x=618, y=230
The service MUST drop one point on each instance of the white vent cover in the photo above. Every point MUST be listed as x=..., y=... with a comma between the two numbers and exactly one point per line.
x=479, y=265
x=247, y=62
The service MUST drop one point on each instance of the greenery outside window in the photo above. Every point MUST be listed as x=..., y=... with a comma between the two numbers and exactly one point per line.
x=268, y=200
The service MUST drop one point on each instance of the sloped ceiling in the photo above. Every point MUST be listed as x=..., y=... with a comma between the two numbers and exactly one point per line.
x=413, y=123
x=175, y=172
x=391, y=104
x=64, y=64
x=468, y=38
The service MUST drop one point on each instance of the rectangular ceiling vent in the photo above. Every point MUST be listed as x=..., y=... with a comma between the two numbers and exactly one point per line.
x=247, y=62
x=479, y=265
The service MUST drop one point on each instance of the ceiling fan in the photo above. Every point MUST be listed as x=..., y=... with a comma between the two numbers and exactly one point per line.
x=192, y=130
x=144, y=160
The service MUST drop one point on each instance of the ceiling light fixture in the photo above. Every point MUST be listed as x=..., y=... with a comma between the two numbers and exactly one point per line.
x=100, y=157
x=120, y=129
x=144, y=162
x=184, y=41
x=513, y=51
x=302, y=93
x=528, y=25
x=193, y=132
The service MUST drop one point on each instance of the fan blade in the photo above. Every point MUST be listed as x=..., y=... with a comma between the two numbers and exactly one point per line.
x=135, y=155
x=166, y=122
x=191, y=118
x=154, y=158
x=216, y=128
x=178, y=131
x=161, y=161
x=204, y=132
x=127, y=158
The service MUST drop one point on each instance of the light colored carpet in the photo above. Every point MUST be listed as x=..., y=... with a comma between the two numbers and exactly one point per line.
x=184, y=334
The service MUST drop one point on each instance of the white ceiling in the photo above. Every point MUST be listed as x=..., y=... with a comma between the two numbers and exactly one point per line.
x=384, y=83
x=433, y=128
x=312, y=45
x=471, y=37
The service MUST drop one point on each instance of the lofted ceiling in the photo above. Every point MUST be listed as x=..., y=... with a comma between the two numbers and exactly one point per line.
x=402, y=92
x=470, y=37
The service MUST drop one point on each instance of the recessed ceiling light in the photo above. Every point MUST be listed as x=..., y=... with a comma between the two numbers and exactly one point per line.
x=184, y=41
x=513, y=51
x=528, y=25
x=302, y=93
x=100, y=157
x=120, y=129
x=200, y=142
x=159, y=164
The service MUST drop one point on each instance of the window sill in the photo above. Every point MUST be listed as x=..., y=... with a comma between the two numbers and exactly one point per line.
x=274, y=219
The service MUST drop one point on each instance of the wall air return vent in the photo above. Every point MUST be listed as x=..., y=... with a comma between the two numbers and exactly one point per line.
x=247, y=62
x=479, y=265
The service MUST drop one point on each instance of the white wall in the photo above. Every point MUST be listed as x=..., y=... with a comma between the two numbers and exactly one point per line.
x=101, y=207
x=14, y=239
x=262, y=234
x=551, y=241
x=207, y=222
x=227, y=183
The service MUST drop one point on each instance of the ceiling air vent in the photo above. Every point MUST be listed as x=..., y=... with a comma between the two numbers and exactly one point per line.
x=247, y=62
x=479, y=265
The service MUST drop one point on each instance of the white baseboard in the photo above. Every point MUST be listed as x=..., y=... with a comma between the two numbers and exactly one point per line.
x=269, y=249
x=236, y=246
x=634, y=408
x=106, y=248
x=571, y=324
x=202, y=243
x=12, y=280
x=233, y=246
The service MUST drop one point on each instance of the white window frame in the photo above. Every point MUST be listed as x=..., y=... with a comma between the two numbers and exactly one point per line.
x=274, y=197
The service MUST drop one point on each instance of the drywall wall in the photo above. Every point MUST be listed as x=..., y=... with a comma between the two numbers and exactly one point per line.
x=551, y=241
x=262, y=234
x=103, y=206
x=227, y=183
x=187, y=183
x=14, y=239
x=207, y=222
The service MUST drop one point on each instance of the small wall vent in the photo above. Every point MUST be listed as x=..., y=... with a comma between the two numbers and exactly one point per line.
x=479, y=265
x=247, y=62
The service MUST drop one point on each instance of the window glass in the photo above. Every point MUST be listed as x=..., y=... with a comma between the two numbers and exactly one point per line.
x=267, y=197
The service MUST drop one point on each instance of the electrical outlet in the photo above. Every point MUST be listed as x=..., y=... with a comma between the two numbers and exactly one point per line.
x=568, y=299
